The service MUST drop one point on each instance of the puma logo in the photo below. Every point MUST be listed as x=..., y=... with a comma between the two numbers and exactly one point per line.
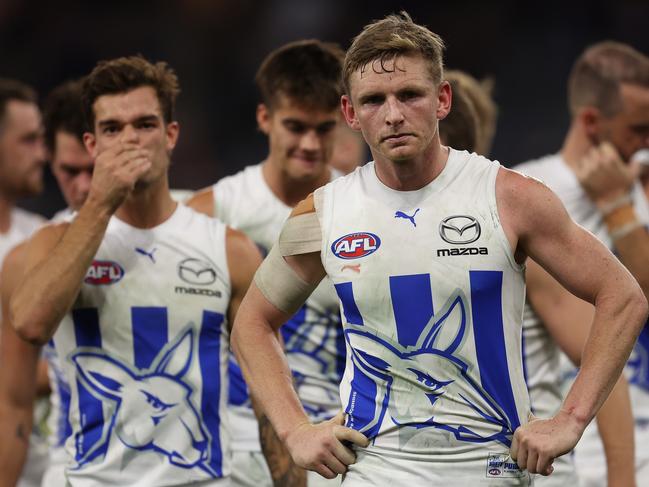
x=401, y=214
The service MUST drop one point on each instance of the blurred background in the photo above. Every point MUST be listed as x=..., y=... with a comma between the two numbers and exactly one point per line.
x=215, y=46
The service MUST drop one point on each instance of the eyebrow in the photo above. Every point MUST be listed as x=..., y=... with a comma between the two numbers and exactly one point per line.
x=113, y=121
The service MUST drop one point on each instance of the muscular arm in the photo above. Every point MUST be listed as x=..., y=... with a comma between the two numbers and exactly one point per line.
x=202, y=201
x=243, y=260
x=18, y=370
x=260, y=355
x=58, y=257
x=538, y=226
x=568, y=319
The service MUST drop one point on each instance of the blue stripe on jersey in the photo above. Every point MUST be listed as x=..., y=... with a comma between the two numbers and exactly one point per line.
x=361, y=407
x=150, y=333
x=488, y=330
x=341, y=349
x=91, y=415
x=64, y=428
x=346, y=295
x=209, y=357
x=412, y=302
x=639, y=362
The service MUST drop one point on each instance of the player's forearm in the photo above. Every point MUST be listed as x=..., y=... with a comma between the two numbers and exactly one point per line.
x=631, y=242
x=48, y=290
x=15, y=428
x=620, y=314
x=267, y=374
x=615, y=425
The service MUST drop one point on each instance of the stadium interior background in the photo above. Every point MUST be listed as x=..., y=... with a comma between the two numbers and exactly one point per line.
x=215, y=46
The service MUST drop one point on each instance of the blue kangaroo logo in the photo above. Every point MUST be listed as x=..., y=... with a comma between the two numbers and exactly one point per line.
x=426, y=385
x=154, y=411
x=401, y=214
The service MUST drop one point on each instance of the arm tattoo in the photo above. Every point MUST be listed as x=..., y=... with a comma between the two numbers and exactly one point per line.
x=282, y=469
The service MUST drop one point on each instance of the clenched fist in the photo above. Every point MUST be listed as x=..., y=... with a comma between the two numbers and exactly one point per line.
x=539, y=442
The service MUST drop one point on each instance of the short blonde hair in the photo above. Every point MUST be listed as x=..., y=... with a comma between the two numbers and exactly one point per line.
x=395, y=35
x=596, y=77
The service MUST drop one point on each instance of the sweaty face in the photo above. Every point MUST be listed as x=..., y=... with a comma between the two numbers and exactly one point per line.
x=22, y=150
x=72, y=167
x=135, y=118
x=396, y=106
x=628, y=130
x=300, y=139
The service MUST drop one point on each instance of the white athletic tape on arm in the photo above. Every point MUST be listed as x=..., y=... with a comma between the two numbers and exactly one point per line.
x=280, y=284
x=301, y=235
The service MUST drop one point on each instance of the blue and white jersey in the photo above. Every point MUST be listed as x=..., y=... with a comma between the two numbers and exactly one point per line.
x=432, y=303
x=144, y=349
x=313, y=338
x=546, y=380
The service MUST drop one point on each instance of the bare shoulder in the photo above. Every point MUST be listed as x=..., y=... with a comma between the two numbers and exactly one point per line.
x=524, y=201
x=202, y=201
x=307, y=205
x=240, y=248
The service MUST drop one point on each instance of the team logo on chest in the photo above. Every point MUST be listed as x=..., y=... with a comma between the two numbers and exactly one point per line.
x=356, y=245
x=103, y=272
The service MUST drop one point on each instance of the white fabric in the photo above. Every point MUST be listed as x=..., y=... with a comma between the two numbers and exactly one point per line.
x=546, y=380
x=144, y=350
x=313, y=338
x=432, y=316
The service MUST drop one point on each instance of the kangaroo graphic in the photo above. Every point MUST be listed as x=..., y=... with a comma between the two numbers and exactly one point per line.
x=153, y=411
x=401, y=214
x=426, y=385
x=147, y=254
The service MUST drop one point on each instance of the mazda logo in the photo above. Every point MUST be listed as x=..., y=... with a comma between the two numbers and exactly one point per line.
x=196, y=271
x=459, y=229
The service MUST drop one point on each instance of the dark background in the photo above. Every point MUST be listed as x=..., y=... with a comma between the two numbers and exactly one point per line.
x=215, y=47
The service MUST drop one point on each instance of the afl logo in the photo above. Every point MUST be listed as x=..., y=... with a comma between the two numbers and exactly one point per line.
x=102, y=272
x=459, y=229
x=495, y=472
x=356, y=245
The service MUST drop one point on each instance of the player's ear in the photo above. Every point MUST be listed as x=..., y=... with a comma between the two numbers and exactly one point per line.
x=444, y=100
x=349, y=112
x=591, y=119
x=90, y=142
x=263, y=118
x=173, y=130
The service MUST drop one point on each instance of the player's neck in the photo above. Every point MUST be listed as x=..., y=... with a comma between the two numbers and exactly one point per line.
x=288, y=190
x=148, y=207
x=575, y=145
x=413, y=174
x=6, y=206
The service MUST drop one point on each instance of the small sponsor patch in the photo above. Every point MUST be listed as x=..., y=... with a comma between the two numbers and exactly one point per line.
x=501, y=465
x=103, y=272
x=356, y=245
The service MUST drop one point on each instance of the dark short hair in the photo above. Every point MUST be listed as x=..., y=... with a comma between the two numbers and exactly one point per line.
x=124, y=74
x=309, y=72
x=596, y=76
x=63, y=112
x=395, y=35
x=11, y=89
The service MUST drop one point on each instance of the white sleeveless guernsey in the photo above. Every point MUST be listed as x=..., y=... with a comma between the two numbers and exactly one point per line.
x=313, y=338
x=432, y=303
x=144, y=349
x=23, y=224
x=549, y=373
